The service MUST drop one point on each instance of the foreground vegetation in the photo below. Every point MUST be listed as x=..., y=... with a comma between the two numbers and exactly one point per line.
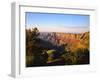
x=40, y=52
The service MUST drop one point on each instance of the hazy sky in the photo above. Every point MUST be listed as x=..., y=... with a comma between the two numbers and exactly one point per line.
x=51, y=22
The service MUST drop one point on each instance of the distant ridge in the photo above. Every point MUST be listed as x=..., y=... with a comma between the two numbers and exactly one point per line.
x=62, y=29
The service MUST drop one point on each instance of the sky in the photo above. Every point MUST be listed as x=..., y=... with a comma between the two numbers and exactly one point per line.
x=54, y=22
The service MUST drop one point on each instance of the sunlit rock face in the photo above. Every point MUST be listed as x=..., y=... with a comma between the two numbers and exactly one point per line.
x=58, y=38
